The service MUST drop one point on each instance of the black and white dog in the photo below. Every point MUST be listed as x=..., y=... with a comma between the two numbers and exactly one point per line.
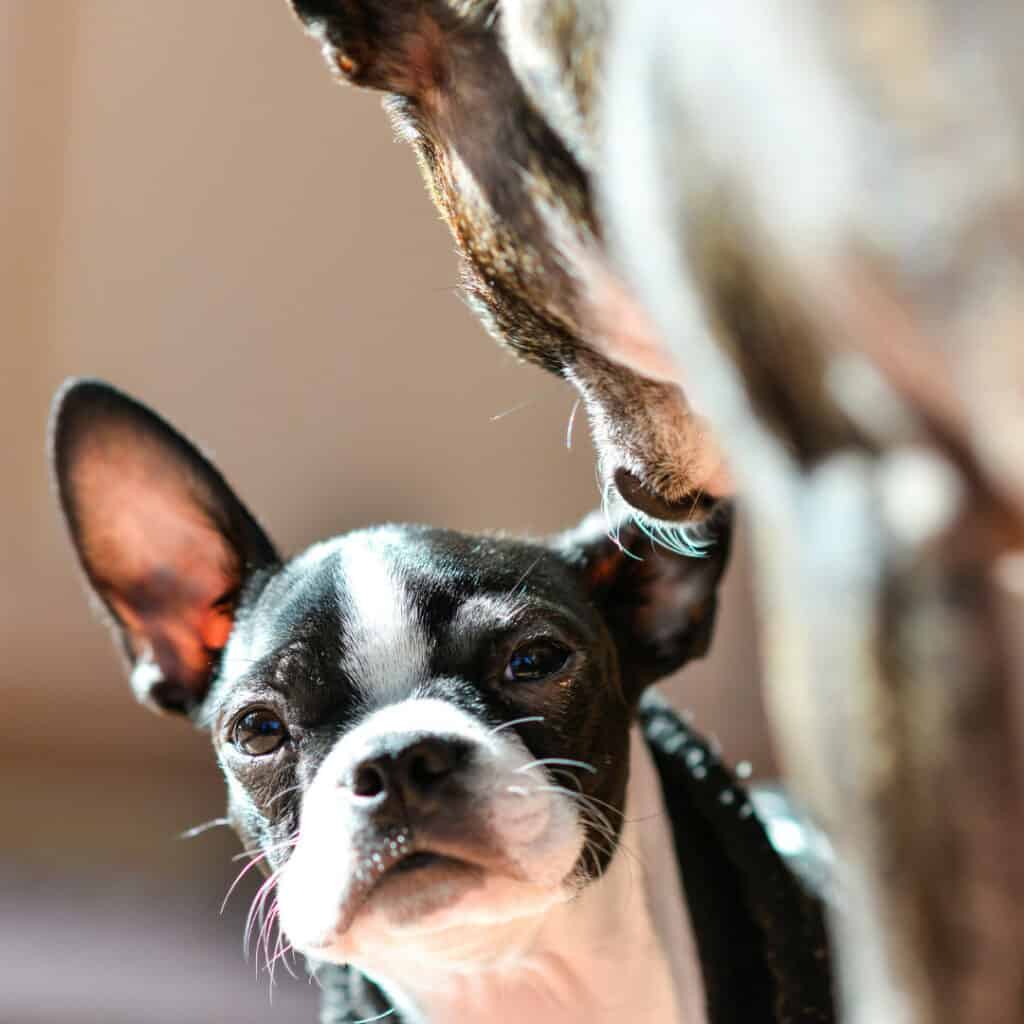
x=437, y=746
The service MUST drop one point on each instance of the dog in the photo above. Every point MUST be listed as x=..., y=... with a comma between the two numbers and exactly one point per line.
x=440, y=750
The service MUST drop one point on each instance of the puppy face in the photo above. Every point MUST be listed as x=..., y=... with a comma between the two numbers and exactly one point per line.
x=439, y=712
x=424, y=734
x=498, y=100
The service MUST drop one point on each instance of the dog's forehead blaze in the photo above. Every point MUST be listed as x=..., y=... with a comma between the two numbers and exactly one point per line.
x=386, y=646
x=382, y=597
x=392, y=574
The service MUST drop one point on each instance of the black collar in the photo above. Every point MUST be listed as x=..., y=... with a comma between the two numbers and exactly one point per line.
x=760, y=934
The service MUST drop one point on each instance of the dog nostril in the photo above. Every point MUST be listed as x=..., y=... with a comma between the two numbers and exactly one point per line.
x=369, y=780
x=430, y=761
x=636, y=493
x=429, y=765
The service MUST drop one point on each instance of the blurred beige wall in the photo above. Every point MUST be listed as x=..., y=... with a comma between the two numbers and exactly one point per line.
x=191, y=209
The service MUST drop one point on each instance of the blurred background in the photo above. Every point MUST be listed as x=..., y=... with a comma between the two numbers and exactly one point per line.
x=192, y=210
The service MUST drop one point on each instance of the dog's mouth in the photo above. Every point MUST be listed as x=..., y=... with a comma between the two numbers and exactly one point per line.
x=407, y=879
x=421, y=863
x=417, y=861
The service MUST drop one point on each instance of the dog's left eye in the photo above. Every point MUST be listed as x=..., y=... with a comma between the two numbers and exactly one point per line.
x=535, y=660
x=258, y=733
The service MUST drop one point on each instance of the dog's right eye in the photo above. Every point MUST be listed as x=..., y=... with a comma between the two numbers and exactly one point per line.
x=258, y=733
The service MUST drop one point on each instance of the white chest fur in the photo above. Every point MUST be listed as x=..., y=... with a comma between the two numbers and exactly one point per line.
x=623, y=951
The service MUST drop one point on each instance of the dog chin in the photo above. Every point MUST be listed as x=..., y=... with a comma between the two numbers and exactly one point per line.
x=430, y=911
x=364, y=898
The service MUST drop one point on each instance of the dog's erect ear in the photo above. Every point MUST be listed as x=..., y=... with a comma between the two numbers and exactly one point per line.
x=163, y=541
x=660, y=606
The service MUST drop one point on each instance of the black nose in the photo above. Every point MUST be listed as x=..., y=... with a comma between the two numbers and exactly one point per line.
x=636, y=493
x=412, y=775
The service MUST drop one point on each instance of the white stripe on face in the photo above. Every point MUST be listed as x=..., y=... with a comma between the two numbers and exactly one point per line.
x=387, y=650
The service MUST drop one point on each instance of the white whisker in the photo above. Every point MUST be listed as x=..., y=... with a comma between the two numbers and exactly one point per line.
x=515, y=408
x=558, y=760
x=198, y=830
x=572, y=420
x=526, y=575
x=517, y=721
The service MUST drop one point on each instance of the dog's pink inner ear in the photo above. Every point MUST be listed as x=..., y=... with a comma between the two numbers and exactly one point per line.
x=152, y=547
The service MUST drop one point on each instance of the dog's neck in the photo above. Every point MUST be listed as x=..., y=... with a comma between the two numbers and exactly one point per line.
x=623, y=950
